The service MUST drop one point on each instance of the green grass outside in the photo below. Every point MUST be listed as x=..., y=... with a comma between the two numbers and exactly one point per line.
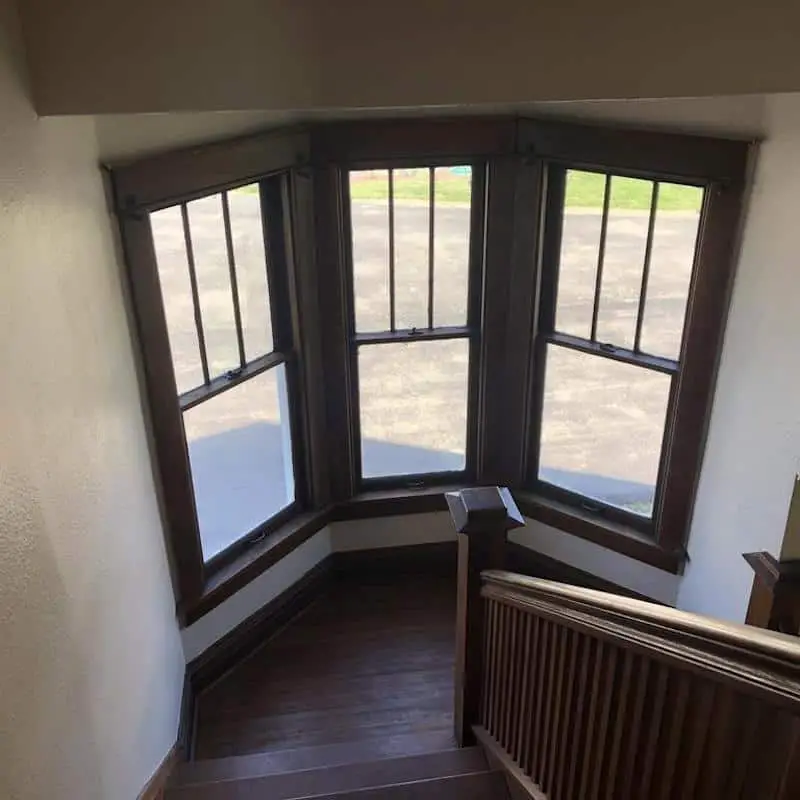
x=584, y=190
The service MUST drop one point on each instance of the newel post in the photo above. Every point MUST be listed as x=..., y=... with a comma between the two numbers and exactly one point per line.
x=482, y=518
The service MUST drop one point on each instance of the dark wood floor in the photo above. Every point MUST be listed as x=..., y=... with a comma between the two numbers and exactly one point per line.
x=365, y=662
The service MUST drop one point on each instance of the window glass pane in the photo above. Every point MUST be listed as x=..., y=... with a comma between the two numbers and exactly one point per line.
x=247, y=233
x=451, y=228
x=671, y=261
x=213, y=284
x=626, y=239
x=369, y=214
x=173, y=275
x=241, y=459
x=580, y=242
x=602, y=428
x=411, y=238
x=413, y=407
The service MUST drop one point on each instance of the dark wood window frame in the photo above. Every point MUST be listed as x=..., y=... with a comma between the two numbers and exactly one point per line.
x=517, y=163
x=470, y=331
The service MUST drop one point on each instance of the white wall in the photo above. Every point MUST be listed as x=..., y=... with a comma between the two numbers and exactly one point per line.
x=91, y=666
x=364, y=534
x=199, y=636
x=753, y=449
x=600, y=561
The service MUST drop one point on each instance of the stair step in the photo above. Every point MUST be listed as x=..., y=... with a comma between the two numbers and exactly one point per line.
x=475, y=786
x=329, y=755
x=343, y=779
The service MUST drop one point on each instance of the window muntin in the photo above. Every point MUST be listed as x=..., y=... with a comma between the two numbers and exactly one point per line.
x=214, y=275
x=410, y=233
x=604, y=399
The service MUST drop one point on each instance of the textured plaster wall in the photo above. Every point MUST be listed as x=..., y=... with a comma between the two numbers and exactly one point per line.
x=753, y=449
x=91, y=665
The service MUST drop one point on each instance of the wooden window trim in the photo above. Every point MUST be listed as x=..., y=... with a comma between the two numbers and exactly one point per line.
x=471, y=331
x=721, y=168
x=138, y=189
x=509, y=217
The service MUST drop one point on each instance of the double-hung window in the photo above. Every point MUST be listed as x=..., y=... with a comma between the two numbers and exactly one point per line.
x=609, y=337
x=413, y=320
x=222, y=291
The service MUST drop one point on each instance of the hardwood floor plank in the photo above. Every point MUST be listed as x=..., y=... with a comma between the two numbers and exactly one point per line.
x=364, y=662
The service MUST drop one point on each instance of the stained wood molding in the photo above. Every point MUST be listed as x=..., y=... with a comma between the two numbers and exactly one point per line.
x=155, y=787
x=775, y=596
x=437, y=558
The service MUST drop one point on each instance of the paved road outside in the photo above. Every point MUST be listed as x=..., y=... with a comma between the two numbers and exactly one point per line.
x=602, y=420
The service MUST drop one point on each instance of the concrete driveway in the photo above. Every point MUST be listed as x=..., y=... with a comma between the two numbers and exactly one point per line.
x=603, y=421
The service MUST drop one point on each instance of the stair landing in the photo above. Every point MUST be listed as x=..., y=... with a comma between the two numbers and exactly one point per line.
x=366, y=664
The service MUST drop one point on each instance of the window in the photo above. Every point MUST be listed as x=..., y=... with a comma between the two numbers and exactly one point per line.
x=230, y=368
x=340, y=321
x=411, y=322
x=611, y=345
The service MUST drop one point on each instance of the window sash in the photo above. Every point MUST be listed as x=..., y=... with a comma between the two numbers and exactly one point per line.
x=470, y=331
x=552, y=202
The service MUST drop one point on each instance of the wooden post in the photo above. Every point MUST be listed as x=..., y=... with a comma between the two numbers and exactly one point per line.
x=482, y=518
x=775, y=597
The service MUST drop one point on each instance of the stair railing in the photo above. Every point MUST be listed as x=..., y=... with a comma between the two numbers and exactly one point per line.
x=582, y=694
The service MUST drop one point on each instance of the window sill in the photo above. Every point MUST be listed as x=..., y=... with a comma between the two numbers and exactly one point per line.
x=611, y=535
x=397, y=502
x=256, y=559
x=264, y=554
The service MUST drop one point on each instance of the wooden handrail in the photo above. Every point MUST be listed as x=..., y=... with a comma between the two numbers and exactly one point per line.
x=589, y=694
x=775, y=596
x=753, y=644
x=578, y=694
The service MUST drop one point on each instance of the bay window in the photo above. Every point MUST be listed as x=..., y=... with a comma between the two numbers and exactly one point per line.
x=347, y=319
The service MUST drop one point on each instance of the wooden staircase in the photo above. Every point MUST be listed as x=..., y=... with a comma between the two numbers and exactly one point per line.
x=350, y=772
x=560, y=693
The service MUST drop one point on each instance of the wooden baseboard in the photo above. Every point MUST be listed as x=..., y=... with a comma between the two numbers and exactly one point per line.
x=226, y=652
x=375, y=565
x=378, y=564
x=154, y=790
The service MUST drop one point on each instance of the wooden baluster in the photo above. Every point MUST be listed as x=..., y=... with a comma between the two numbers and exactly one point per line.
x=580, y=737
x=652, y=730
x=539, y=737
x=524, y=717
x=618, y=725
x=482, y=518
x=567, y=725
x=634, y=744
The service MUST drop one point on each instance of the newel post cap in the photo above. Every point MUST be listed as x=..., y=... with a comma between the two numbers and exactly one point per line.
x=481, y=509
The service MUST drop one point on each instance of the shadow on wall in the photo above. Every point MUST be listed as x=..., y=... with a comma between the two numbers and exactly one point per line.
x=243, y=476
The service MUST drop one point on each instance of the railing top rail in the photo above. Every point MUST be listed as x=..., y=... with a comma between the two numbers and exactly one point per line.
x=668, y=622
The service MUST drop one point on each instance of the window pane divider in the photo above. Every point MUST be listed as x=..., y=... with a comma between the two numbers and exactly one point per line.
x=392, y=303
x=431, y=234
x=601, y=255
x=237, y=312
x=648, y=252
x=413, y=335
x=198, y=315
x=230, y=379
x=655, y=363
